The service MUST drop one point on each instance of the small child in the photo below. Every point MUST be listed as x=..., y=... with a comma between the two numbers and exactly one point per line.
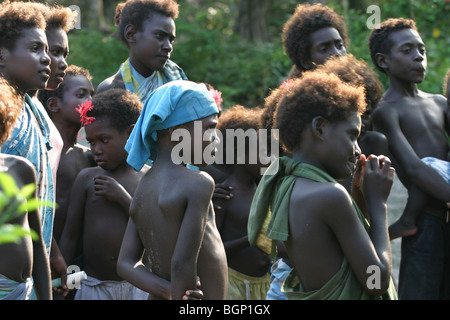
x=326, y=236
x=147, y=28
x=19, y=261
x=312, y=35
x=101, y=197
x=172, y=216
x=248, y=266
x=61, y=105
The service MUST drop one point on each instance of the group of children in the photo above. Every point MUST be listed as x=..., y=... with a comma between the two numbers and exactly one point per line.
x=146, y=223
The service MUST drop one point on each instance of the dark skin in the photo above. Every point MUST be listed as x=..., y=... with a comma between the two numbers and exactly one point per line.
x=26, y=258
x=323, y=224
x=149, y=48
x=413, y=121
x=233, y=219
x=179, y=235
x=101, y=194
x=58, y=50
x=74, y=157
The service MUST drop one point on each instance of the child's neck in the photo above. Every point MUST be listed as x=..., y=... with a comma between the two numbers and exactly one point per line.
x=68, y=132
x=401, y=89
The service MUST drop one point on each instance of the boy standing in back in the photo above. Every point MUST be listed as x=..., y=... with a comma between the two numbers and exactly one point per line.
x=414, y=122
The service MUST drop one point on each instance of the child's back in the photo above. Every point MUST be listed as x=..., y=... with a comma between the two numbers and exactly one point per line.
x=158, y=211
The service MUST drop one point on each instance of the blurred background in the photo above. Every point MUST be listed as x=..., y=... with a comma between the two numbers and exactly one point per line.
x=235, y=45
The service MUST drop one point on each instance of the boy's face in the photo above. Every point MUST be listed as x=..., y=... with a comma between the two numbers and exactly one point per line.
x=203, y=140
x=77, y=90
x=107, y=144
x=58, y=49
x=407, y=60
x=153, y=44
x=325, y=43
x=342, y=150
x=27, y=65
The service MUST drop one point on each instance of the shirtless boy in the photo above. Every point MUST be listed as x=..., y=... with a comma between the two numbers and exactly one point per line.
x=248, y=266
x=101, y=196
x=414, y=122
x=19, y=261
x=172, y=212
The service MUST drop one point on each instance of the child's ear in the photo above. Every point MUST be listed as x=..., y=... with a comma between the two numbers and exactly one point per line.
x=318, y=124
x=382, y=60
x=54, y=104
x=130, y=33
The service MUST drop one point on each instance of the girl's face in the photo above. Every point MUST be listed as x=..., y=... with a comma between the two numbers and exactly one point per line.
x=153, y=45
x=107, y=144
x=342, y=149
x=58, y=49
x=77, y=90
x=27, y=65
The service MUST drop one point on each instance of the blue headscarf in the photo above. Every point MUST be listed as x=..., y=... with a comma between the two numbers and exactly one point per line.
x=175, y=103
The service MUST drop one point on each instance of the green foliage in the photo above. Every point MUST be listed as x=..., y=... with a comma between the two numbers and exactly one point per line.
x=100, y=53
x=432, y=19
x=208, y=50
x=15, y=202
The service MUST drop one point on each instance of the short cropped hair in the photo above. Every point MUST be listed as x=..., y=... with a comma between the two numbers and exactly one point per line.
x=15, y=17
x=315, y=94
x=10, y=107
x=306, y=20
x=71, y=71
x=379, y=41
x=136, y=12
x=121, y=107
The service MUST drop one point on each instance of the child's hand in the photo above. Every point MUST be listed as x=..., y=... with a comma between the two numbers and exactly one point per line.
x=358, y=176
x=377, y=178
x=221, y=191
x=109, y=188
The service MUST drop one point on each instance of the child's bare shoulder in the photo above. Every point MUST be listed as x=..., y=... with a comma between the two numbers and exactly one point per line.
x=198, y=181
x=19, y=167
x=323, y=197
x=115, y=81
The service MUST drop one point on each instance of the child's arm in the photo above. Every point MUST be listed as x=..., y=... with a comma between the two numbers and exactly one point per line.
x=109, y=188
x=423, y=176
x=361, y=249
x=131, y=268
x=190, y=236
x=75, y=213
x=41, y=266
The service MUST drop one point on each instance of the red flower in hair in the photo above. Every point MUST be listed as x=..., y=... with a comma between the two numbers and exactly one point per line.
x=286, y=83
x=83, y=110
x=217, y=95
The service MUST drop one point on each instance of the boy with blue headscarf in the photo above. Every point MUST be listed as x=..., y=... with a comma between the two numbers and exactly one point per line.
x=172, y=217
